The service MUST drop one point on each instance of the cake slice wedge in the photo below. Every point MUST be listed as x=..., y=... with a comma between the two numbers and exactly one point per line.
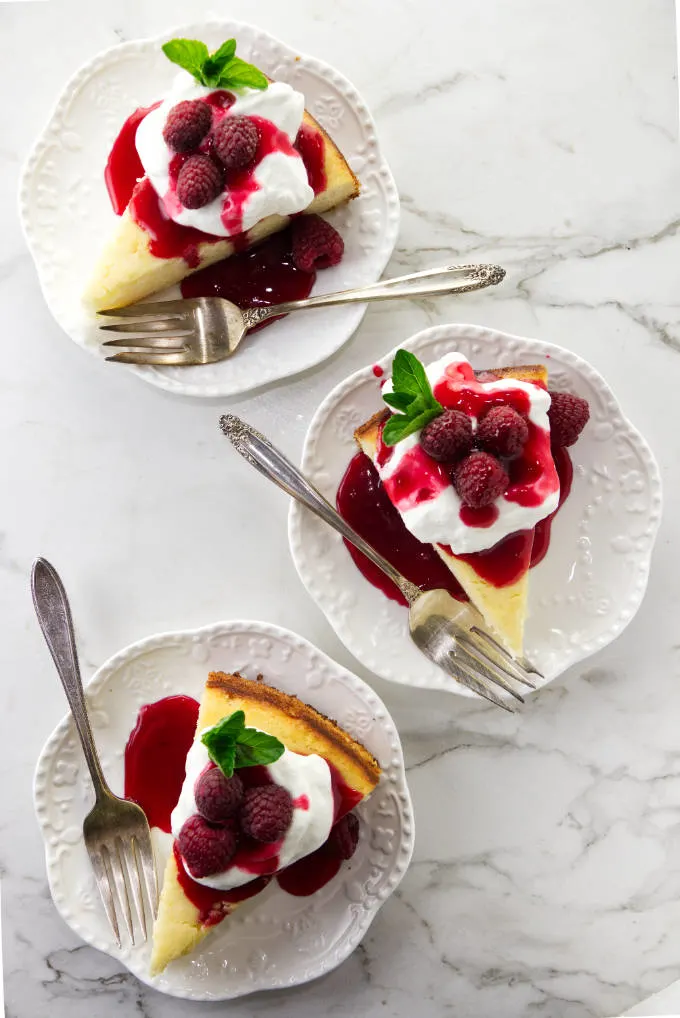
x=127, y=270
x=504, y=607
x=180, y=925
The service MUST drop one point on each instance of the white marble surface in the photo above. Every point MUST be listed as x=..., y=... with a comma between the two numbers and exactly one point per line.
x=538, y=134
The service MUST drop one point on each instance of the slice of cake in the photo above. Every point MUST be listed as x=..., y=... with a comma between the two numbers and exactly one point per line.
x=466, y=460
x=241, y=821
x=225, y=161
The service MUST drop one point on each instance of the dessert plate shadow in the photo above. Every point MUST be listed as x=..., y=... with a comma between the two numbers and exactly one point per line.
x=593, y=578
x=276, y=940
x=65, y=210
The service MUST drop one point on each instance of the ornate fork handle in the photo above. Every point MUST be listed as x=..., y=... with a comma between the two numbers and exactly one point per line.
x=262, y=455
x=449, y=279
x=54, y=616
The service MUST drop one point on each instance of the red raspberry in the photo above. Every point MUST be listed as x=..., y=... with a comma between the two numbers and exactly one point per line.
x=206, y=849
x=316, y=244
x=480, y=479
x=503, y=432
x=568, y=416
x=187, y=125
x=198, y=182
x=217, y=797
x=448, y=437
x=266, y=812
x=344, y=837
x=235, y=141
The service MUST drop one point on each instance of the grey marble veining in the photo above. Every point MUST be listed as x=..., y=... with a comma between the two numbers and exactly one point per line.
x=546, y=879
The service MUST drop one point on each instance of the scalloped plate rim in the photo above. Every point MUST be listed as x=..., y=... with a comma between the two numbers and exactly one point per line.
x=104, y=674
x=156, y=377
x=431, y=334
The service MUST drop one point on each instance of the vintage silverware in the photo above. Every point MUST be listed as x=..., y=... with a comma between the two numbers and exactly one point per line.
x=116, y=832
x=202, y=330
x=449, y=633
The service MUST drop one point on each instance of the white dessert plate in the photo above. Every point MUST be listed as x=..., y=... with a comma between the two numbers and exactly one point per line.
x=66, y=212
x=275, y=940
x=591, y=582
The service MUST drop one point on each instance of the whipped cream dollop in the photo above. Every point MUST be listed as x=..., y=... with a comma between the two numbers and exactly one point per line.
x=423, y=493
x=308, y=781
x=277, y=183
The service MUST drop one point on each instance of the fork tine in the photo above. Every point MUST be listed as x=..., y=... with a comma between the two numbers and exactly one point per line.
x=453, y=667
x=105, y=890
x=135, y=880
x=521, y=663
x=145, y=854
x=148, y=326
x=172, y=343
x=469, y=656
x=153, y=358
x=492, y=651
x=117, y=864
x=154, y=308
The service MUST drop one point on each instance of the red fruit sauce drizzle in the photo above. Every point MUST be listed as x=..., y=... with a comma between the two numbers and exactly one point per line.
x=363, y=502
x=377, y=371
x=155, y=758
x=168, y=239
x=259, y=277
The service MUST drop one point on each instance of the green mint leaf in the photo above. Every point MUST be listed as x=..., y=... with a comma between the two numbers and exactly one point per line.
x=221, y=740
x=224, y=54
x=412, y=397
x=255, y=747
x=189, y=54
x=400, y=426
x=408, y=374
x=399, y=400
x=239, y=74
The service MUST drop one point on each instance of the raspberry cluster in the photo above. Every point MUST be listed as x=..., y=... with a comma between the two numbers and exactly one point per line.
x=212, y=152
x=478, y=461
x=226, y=813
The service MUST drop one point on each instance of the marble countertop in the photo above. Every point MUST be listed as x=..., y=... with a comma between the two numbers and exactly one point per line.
x=546, y=878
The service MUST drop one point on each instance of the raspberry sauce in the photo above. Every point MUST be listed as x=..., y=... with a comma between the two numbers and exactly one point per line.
x=363, y=502
x=155, y=756
x=308, y=875
x=259, y=277
x=310, y=145
x=213, y=905
x=124, y=167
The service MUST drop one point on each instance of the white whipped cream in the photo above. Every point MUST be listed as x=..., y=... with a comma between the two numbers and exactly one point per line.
x=437, y=520
x=283, y=187
x=307, y=776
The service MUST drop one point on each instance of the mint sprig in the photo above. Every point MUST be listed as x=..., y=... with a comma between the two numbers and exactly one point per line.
x=411, y=396
x=221, y=69
x=231, y=745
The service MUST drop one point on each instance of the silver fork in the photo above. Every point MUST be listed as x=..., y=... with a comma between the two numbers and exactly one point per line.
x=449, y=633
x=202, y=330
x=116, y=831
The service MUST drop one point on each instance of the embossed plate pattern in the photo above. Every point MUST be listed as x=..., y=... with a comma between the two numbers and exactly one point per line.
x=593, y=579
x=275, y=940
x=66, y=212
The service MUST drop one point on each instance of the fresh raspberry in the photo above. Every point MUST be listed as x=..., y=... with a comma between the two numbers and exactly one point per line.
x=266, y=812
x=344, y=837
x=217, y=797
x=206, y=849
x=235, y=141
x=448, y=437
x=480, y=479
x=198, y=182
x=568, y=416
x=316, y=244
x=503, y=432
x=187, y=125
